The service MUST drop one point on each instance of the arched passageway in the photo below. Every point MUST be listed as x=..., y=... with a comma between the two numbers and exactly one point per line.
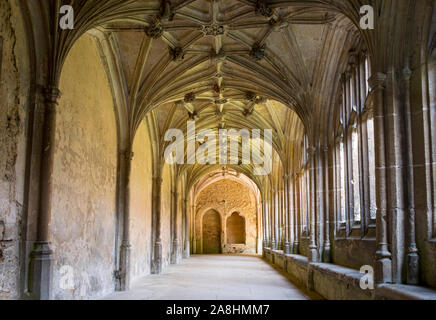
x=157, y=130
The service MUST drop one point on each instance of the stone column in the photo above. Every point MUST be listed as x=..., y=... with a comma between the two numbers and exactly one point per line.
x=156, y=265
x=273, y=220
x=383, y=263
x=175, y=258
x=41, y=257
x=287, y=247
x=313, y=249
x=412, y=268
x=291, y=212
x=268, y=220
x=123, y=274
x=264, y=227
x=296, y=210
x=277, y=219
x=320, y=199
x=187, y=245
x=326, y=255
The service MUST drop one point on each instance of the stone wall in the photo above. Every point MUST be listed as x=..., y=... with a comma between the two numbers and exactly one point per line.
x=84, y=186
x=211, y=232
x=14, y=103
x=238, y=198
x=140, y=204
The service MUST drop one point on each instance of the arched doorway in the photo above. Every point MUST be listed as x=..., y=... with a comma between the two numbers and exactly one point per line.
x=211, y=232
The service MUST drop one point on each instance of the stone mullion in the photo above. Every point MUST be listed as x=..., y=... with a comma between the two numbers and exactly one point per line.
x=336, y=193
x=366, y=174
x=362, y=78
x=383, y=263
x=349, y=210
x=41, y=258
x=308, y=197
x=365, y=181
x=360, y=129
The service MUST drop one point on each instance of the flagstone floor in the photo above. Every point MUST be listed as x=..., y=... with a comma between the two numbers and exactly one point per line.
x=216, y=277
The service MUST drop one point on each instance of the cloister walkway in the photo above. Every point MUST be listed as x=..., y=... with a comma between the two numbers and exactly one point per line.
x=216, y=277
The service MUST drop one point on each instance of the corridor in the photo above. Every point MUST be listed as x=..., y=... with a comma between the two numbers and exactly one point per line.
x=216, y=277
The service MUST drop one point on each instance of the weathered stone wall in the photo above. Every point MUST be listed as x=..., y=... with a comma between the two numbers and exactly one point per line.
x=211, y=232
x=14, y=102
x=166, y=216
x=85, y=165
x=240, y=199
x=353, y=253
x=140, y=204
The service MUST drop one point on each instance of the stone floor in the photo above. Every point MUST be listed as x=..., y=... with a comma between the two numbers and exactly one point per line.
x=216, y=277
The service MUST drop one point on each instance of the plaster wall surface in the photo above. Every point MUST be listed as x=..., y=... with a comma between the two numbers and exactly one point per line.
x=140, y=204
x=238, y=198
x=14, y=103
x=84, y=185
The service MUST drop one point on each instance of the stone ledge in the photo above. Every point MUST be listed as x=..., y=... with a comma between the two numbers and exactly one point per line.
x=346, y=280
x=301, y=261
x=346, y=275
x=404, y=292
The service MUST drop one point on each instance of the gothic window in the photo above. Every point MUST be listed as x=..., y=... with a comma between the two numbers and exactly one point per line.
x=354, y=155
x=371, y=168
x=355, y=178
x=341, y=179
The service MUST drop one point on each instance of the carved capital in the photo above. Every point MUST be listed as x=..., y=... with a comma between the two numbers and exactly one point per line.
x=127, y=155
x=311, y=151
x=51, y=95
x=377, y=81
x=158, y=181
x=406, y=74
